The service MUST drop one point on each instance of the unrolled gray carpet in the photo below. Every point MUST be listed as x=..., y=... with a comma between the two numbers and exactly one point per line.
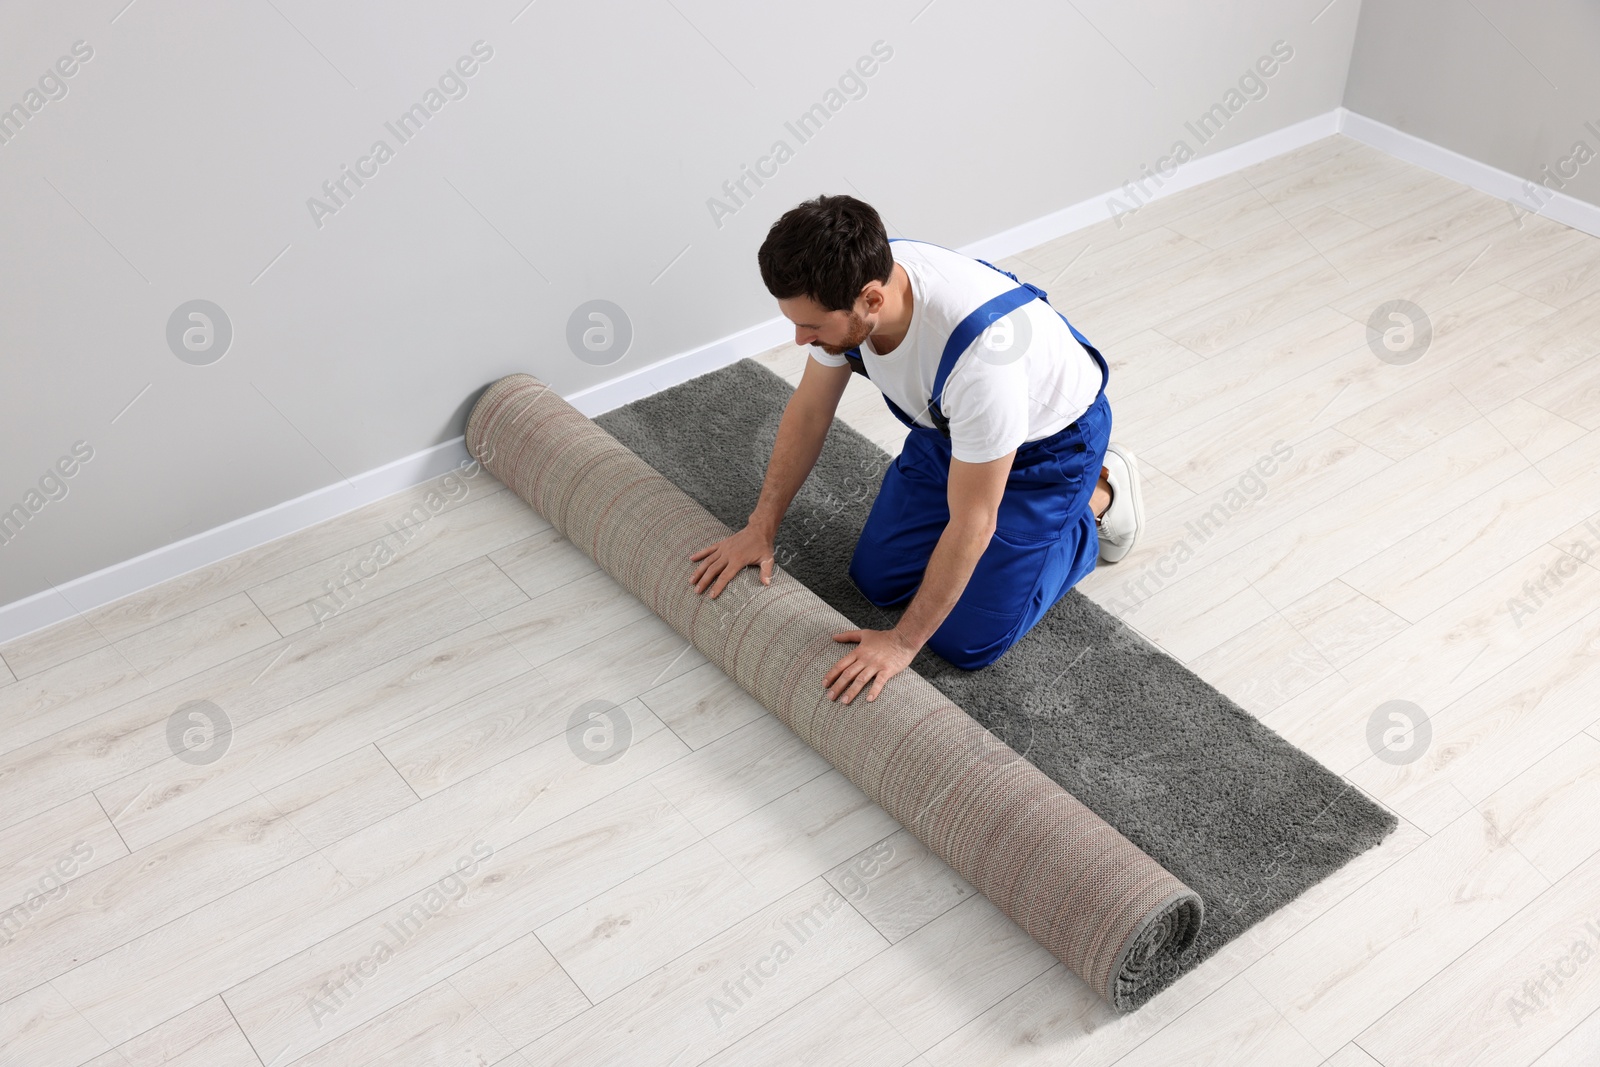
x=1233, y=810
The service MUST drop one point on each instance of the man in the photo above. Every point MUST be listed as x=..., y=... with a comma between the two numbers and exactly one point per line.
x=1007, y=486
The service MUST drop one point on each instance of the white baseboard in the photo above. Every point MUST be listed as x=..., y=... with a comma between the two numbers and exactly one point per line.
x=104, y=586
x=62, y=602
x=1199, y=171
x=675, y=370
x=1524, y=195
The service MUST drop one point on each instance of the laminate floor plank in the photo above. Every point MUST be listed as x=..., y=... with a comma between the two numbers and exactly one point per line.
x=478, y=901
x=204, y=1036
x=39, y=856
x=1467, y=647
x=1510, y=997
x=723, y=990
x=1502, y=727
x=414, y=547
x=1335, y=393
x=270, y=750
x=134, y=894
x=138, y=733
x=206, y=585
x=1394, y=934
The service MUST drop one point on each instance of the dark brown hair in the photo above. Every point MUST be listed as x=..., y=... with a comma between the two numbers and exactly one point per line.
x=827, y=249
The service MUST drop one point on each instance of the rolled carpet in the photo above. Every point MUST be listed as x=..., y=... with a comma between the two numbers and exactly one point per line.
x=1098, y=903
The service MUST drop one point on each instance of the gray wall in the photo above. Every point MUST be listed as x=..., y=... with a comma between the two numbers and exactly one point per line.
x=1505, y=82
x=176, y=163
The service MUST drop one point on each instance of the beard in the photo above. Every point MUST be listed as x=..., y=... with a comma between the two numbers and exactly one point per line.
x=856, y=331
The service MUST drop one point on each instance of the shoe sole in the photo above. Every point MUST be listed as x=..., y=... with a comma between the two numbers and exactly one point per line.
x=1132, y=464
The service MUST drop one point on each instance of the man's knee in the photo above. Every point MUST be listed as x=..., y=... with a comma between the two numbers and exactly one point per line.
x=967, y=649
x=968, y=660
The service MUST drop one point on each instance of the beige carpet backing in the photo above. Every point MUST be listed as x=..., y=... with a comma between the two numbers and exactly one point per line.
x=1099, y=904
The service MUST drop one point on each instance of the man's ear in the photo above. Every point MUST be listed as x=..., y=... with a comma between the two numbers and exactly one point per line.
x=872, y=297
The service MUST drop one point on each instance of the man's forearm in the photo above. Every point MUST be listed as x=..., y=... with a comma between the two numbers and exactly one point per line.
x=949, y=569
x=799, y=443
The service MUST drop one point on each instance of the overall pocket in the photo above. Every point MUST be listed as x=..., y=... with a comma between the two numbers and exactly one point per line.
x=1045, y=489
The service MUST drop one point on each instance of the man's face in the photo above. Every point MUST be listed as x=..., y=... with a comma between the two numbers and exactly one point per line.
x=835, y=332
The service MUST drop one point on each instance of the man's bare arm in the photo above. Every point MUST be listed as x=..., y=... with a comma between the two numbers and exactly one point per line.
x=801, y=432
x=974, y=495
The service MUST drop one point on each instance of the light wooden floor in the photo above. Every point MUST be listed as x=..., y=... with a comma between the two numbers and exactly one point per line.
x=399, y=858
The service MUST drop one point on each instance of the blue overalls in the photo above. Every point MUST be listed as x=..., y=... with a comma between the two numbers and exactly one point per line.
x=1045, y=536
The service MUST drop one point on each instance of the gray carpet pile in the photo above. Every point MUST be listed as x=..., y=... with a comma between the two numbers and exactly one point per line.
x=1243, y=817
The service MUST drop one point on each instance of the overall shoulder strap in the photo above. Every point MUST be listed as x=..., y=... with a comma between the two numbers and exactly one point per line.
x=1038, y=292
x=859, y=366
x=968, y=330
x=1042, y=295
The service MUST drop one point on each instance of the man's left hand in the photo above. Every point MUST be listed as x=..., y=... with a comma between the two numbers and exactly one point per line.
x=878, y=656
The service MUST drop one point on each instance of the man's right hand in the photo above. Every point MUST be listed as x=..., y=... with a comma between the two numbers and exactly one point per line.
x=725, y=559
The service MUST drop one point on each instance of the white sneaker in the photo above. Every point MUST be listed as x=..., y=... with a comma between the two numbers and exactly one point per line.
x=1123, y=519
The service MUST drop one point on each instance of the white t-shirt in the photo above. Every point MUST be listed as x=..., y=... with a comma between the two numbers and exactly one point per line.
x=995, y=398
